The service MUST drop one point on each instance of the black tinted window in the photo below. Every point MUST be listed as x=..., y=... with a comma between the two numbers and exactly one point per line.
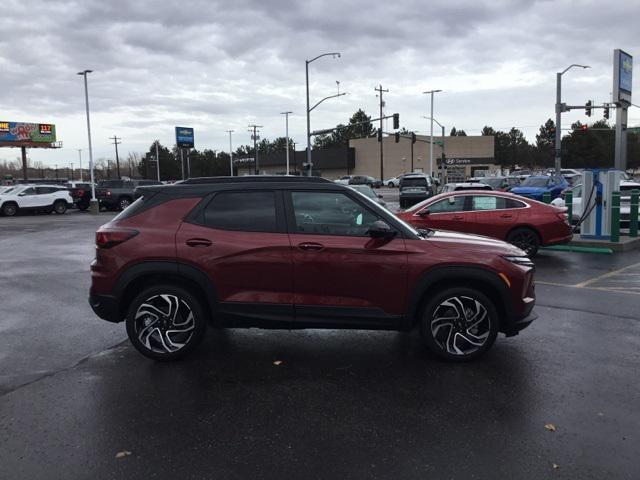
x=110, y=183
x=330, y=213
x=511, y=203
x=246, y=211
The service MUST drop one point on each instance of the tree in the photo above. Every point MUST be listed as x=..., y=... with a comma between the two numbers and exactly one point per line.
x=487, y=131
x=545, y=143
x=360, y=125
x=170, y=168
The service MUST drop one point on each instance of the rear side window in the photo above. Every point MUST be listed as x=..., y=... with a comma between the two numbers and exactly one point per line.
x=243, y=211
x=511, y=203
x=142, y=203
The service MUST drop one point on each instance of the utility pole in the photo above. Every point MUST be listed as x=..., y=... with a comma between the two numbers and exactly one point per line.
x=93, y=204
x=80, y=155
x=56, y=171
x=71, y=176
x=380, y=92
x=286, y=116
x=116, y=143
x=230, y=153
x=254, y=136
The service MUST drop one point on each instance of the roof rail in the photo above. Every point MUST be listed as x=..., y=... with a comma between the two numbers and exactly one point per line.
x=252, y=179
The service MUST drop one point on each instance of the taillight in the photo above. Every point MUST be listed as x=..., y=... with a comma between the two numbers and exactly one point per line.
x=110, y=237
x=563, y=216
x=108, y=193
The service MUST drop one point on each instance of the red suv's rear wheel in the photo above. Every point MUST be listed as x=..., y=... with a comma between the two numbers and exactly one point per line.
x=165, y=322
x=459, y=324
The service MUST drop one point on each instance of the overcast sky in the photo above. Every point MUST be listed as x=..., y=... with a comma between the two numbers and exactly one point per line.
x=223, y=65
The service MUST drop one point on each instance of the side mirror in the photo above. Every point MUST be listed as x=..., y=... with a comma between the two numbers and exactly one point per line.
x=423, y=213
x=380, y=229
x=379, y=195
x=22, y=194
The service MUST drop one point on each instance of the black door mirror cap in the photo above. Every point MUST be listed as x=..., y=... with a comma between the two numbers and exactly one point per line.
x=380, y=229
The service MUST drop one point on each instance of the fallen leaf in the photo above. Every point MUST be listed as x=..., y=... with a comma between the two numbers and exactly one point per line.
x=277, y=362
x=551, y=427
x=123, y=453
x=555, y=465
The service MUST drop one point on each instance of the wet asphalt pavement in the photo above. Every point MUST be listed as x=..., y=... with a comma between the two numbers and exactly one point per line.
x=342, y=404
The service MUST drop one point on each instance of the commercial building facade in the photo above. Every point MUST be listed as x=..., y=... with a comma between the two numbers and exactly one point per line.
x=464, y=157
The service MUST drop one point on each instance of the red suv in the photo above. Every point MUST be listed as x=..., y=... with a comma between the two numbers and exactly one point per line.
x=287, y=252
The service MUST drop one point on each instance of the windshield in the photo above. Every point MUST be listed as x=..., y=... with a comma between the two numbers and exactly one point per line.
x=492, y=182
x=536, y=182
x=2, y=192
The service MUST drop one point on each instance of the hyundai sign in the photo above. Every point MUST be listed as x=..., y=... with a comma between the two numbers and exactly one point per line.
x=184, y=137
x=622, y=76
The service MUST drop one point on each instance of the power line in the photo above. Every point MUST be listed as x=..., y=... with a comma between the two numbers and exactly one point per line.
x=116, y=143
x=254, y=136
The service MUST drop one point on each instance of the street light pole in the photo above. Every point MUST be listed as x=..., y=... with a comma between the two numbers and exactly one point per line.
x=80, y=155
x=307, y=62
x=230, y=153
x=431, y=92
x=559, y=110
x=286, y=121
x=158, y=160
x=442, y=128
x=93, y=203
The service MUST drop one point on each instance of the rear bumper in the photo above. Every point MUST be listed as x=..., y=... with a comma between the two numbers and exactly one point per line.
x=559, y=240
x=106, y=307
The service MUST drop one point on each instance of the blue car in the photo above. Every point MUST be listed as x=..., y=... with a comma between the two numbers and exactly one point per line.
x=537, y=185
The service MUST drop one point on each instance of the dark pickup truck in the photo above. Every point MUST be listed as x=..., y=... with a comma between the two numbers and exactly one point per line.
x=119, y=194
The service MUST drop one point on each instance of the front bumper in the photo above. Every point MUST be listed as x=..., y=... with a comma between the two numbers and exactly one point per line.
x=106, y=307
x=520, y=324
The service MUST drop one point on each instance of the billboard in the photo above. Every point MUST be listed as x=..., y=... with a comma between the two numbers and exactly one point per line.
x=27, y=134
x=622, y=76
x=184, y=137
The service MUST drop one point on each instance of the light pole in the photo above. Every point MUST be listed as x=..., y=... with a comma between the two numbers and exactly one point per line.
x=559, y=110
x=431, y=92
x=93, y=204
x=286, y=123
x=80, y=155
x=442, y=127
x=230, y=152
x=307, y=62
x=158, y=159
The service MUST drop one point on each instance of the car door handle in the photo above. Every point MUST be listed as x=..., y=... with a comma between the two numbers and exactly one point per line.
x=311, y=246
x=458, y=217
x=506, y=215
x=198, y=242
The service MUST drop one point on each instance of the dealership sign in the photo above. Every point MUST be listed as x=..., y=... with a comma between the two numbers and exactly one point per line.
x=26, y=134
x=622, y=76
x=468, y=161
x=184, y=137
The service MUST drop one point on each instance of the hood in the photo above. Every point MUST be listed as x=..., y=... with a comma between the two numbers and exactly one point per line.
x=463, y=241
x=528, y=190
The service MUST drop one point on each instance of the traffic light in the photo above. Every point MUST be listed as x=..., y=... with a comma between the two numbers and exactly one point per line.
x=396, y=121
x=413, y=137
x=584, y=127
x=397, y=137
x=379, y=134
x=606, y=112
x=587, y=108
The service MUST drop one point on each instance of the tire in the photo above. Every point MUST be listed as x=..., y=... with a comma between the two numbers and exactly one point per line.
x=159, y=302
x=60, y=207
x=82, y=206
x=525, y=239
x=123, y=202
x=9, y=209
x=459, y=324
x=390, y=184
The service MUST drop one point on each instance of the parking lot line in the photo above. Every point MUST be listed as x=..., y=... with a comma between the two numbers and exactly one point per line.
x=606, y=275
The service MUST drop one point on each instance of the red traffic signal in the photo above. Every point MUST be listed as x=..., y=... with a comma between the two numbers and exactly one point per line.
x=584, y=127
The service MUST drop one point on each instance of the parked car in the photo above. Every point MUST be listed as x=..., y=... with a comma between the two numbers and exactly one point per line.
x=220, y=251
x=367, y=191
x=363, y=180
x=456, y=187
x=414, y=188
x=39, y=198
x=344, y=180
x=501, y=184
x=80, y=193
x=536, y=186
x=577, y=208
x=523, y=222
x=392, y=182
x=119, y=194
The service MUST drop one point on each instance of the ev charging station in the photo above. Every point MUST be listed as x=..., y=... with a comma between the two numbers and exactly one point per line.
x=597, y=188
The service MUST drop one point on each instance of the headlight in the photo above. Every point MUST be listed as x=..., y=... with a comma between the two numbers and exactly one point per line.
x=519, y=260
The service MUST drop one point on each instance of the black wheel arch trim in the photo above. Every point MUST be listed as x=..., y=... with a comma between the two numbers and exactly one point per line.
x=171, y=269
x=446, y=274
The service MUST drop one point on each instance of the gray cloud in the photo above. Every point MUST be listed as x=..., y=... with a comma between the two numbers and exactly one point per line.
x=219, y=65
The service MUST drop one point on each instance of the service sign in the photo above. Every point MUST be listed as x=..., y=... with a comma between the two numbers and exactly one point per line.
x=184, y=137
x=27, y=133
x=622, y=76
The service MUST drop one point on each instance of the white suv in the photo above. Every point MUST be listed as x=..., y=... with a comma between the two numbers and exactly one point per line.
x=47, y=198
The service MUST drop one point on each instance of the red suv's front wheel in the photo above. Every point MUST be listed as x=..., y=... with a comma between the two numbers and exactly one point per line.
x=459, y=324
x=165, y=322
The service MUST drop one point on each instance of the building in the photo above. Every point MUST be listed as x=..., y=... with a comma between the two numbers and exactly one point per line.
x=464, y=157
